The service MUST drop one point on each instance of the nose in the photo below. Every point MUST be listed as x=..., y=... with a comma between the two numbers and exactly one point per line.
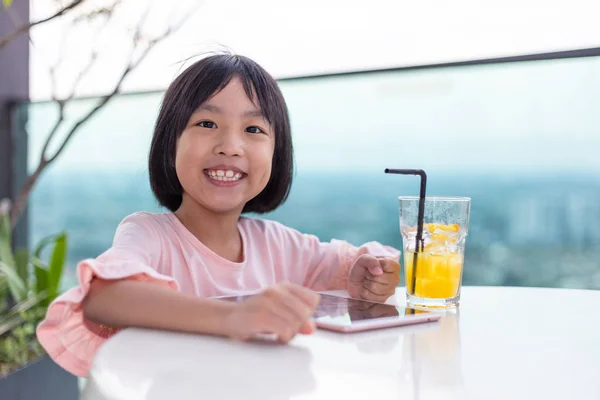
x=230, y=144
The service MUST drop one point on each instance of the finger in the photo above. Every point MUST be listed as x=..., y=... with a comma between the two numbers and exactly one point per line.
x=286, y=330
x=308, y=328
x=291, y=309
x=280, y=309
x=275, y=322
x=303, y=314
x=384, y=279
x=310, y=298
x=357, y=273
x=389, y=265
x=265, y=321
x=391, y=279
x=377, y=288
x=296, y=306
x=374, y=267
x=362, y=265
x=286, y=334
x=366, y=294
x=302, y=303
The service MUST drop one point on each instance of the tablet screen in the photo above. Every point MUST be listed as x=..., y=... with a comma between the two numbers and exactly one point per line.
x=343, y=311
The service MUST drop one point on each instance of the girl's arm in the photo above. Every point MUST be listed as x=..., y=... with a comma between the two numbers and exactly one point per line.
x=283, y=309
x=128, y=303
x=330, y=263
x=317, y=265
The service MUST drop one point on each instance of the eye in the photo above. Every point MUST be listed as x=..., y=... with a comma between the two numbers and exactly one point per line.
x=207, y=124
x=254, y=129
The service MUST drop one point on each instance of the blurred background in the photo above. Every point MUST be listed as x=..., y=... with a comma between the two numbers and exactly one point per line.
x=498, y=102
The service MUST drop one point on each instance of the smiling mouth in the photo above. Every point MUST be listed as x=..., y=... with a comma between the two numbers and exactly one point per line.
x=222, y=175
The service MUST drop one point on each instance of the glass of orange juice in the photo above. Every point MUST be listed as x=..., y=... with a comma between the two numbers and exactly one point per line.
x=433, y=267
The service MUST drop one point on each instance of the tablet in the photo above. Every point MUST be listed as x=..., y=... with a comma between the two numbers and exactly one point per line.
x=351, y=315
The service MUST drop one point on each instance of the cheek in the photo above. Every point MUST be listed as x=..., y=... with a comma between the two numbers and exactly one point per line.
x=179, y=156
x=264, y=159
x=179, y=169
x=184, y=155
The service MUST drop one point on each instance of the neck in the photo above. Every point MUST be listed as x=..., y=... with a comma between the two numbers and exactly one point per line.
x=217, y=231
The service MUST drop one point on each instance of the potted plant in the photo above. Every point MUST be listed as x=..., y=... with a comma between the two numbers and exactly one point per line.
x=27, y=286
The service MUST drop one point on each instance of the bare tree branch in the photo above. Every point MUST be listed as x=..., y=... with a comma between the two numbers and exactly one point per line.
x=57, y=124
x=53, y=83
x=131, y=67
x=94, y=56
x=26, y=27
x=61, y=107
x=100, y=12
x=83, y=73
x=137, y=36
x=59, y=58
x=21, y=200
x=62, y=103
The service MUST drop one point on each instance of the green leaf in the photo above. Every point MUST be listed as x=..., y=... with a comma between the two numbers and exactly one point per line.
x=7, y=3
x=3, y=295
x=3, y=286
x=5, y=249
x=45, y=242
x=41, y=275
x=48, y=277
x=22, y=265
x=55, y=269
x=17, y=287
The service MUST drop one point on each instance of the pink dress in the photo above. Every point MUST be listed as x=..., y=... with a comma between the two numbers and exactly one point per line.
x=157, y=248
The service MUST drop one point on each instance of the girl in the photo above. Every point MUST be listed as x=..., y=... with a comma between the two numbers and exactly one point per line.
x=221, y=147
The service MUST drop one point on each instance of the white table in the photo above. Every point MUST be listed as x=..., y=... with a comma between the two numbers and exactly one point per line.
x=505, y=343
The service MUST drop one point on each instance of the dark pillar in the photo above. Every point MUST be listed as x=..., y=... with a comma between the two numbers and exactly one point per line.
x=14, y=87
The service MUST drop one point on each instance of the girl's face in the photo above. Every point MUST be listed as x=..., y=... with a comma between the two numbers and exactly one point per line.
x=224, y=154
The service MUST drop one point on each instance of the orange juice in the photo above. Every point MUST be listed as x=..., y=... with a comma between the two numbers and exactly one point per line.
x=439, y=265
x=438, y=275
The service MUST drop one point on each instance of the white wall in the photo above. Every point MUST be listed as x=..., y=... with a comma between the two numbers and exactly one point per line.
x=315, y=36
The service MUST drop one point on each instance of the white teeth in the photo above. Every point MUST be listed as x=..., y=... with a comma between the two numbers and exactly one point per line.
x=224, y=175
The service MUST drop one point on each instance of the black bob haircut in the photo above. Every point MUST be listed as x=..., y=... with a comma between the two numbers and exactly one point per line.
x=194, y=86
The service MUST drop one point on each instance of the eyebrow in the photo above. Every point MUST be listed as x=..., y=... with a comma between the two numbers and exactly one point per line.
x=217, y=110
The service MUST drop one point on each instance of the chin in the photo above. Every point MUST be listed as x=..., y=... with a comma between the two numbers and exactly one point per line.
x=225, y=206
x=227, y=210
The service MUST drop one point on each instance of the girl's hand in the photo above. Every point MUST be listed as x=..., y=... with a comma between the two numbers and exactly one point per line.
x=284, y=310
x=373, y=279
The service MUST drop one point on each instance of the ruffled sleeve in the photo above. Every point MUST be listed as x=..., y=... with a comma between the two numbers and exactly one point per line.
x=71, y=340
x=329, y=263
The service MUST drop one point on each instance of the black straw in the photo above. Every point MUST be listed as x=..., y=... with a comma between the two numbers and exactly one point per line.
x=419, y=243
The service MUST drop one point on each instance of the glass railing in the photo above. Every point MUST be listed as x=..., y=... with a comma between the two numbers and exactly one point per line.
x=521, y=139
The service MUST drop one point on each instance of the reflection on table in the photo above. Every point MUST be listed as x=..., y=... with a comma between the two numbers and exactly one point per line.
x=432, y=361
